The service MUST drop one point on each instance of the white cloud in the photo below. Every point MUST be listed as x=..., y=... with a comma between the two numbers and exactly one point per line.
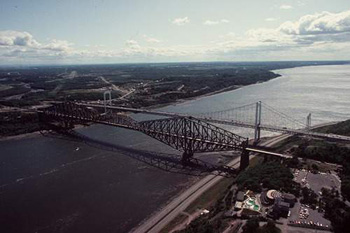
x=215, y=22
x=318, y=36
x=16, y=45
x=210, y=22
x=181, y=21
x=16, y=38
x=132, y=45
x=151, y=39
x=320, y=23
x=325, y=26
x=286, y=7
x=58, y=45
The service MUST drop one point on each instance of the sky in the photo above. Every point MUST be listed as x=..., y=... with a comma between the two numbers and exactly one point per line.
x=132, y=31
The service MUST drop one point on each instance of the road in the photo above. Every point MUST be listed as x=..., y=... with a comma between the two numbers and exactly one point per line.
x=114, y=87
x=179, y=204
x=127, y=94
x=124, y=92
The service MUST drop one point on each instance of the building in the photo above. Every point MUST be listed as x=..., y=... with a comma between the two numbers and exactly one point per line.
x=289, y=198
x=238, y=205
x=268, y=197
x=279, y=209
x=273, y=194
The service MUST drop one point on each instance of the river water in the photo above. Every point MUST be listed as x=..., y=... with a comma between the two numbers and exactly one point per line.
x=61, y=185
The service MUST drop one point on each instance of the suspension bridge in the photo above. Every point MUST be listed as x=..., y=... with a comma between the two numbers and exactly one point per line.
x=188, y=133
x=257, y=116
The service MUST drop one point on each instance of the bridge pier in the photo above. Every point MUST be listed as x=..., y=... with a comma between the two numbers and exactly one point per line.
x=68, y=125
x=244, y=162
x=186, y=156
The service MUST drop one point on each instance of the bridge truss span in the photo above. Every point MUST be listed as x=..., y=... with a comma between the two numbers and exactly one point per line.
x=192, y=135
x=184, y=133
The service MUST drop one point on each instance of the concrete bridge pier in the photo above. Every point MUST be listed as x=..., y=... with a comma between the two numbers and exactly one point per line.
x=244, y=162
x=186, y=156
x=68, y=125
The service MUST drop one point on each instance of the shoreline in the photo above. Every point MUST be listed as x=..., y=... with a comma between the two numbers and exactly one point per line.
x=28, y=135
x=152, y=107
x=180, y=101
x=20, y=136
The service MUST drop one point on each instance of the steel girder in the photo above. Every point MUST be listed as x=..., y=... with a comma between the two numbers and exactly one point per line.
x=191, y=135
x=70, y=111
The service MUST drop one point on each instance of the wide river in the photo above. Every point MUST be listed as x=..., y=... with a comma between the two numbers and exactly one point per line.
x=48, y=184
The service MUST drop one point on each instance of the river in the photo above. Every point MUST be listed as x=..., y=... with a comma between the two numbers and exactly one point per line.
x=61, y=185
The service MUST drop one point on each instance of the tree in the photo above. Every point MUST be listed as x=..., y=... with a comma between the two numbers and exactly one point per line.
x=251, y=226
x=270, y=227
x=308, y=197
x=345, y=187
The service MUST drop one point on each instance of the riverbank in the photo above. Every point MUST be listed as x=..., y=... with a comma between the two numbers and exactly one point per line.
x=15, y=136
x=20, y=136
x=13, y=114
x=180, y=101
x=277, y=74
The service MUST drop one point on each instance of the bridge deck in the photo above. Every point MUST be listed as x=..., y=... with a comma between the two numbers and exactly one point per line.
x=269, y=153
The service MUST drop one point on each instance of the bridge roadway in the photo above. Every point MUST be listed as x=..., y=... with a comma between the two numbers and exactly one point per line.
x=270, y=128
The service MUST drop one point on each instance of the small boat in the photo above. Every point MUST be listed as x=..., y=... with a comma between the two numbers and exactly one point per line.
x=76, y=149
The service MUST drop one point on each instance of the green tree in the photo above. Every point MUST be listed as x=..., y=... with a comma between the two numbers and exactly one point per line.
x=251, y=226
x=270, y=227
x=345, y=187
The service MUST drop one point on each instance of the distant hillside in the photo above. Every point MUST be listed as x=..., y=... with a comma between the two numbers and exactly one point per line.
x=341, y=128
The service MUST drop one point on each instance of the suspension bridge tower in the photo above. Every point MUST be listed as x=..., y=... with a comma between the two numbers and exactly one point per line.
x=257, y=123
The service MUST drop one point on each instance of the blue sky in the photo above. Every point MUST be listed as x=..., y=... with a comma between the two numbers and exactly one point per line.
x=114, y=31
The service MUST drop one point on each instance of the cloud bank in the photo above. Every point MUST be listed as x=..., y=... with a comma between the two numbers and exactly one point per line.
x=322, y=35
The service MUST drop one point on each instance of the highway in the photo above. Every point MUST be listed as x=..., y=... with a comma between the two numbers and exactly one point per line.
x=180, y=203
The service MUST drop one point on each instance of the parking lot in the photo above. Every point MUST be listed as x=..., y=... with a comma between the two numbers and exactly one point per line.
x=317, y=181
x=313, y=217
x=302, y=214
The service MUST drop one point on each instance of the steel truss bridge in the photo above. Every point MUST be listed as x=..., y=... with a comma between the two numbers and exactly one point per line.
x=184, y=132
